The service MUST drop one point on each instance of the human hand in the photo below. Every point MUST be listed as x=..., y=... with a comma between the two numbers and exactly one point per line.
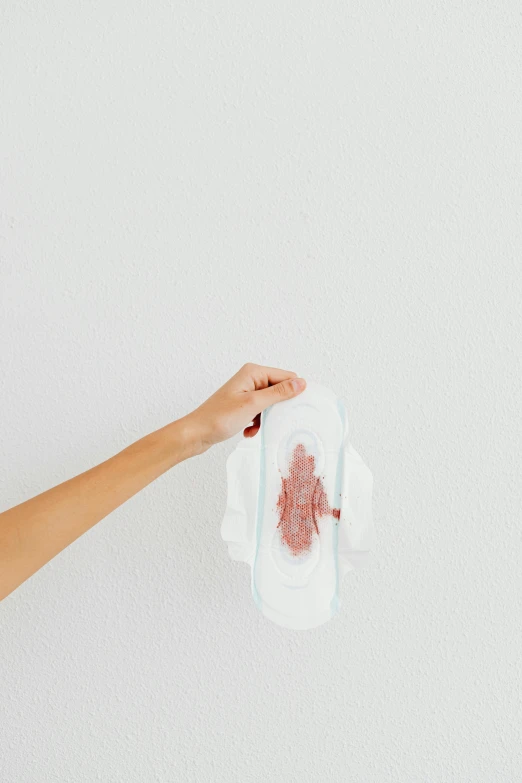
x=237, y=405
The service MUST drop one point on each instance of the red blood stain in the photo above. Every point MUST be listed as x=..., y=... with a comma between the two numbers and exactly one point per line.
x=301, y=502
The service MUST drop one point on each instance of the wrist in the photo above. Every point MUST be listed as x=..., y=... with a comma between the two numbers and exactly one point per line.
x=190, y=435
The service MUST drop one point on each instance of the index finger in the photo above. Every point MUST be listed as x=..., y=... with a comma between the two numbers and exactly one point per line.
x=266, y=376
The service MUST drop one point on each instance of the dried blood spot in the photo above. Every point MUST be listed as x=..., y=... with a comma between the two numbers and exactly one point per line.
x=301, y=502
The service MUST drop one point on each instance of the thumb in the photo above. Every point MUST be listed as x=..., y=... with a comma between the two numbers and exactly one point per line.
x=279, y=392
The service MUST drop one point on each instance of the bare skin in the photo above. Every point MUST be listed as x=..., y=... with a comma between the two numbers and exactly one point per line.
x=33, y=532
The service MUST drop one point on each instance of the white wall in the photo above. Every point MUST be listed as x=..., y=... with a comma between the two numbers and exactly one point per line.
x=334, y=188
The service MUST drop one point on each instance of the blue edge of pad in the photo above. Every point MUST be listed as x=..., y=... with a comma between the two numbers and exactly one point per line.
x=334, y=605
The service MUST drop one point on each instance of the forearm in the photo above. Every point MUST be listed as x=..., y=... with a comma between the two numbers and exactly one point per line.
x=33, y=532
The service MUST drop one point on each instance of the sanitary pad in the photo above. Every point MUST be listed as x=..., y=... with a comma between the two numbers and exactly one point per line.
x=299, y=508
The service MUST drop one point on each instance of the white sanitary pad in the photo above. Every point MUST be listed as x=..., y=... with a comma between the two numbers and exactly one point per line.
x=299, y=508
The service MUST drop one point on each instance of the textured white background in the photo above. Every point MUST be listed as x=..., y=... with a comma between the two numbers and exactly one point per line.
x=334, y=188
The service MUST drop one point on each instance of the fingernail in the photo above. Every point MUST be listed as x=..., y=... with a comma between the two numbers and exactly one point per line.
x=298, y=384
